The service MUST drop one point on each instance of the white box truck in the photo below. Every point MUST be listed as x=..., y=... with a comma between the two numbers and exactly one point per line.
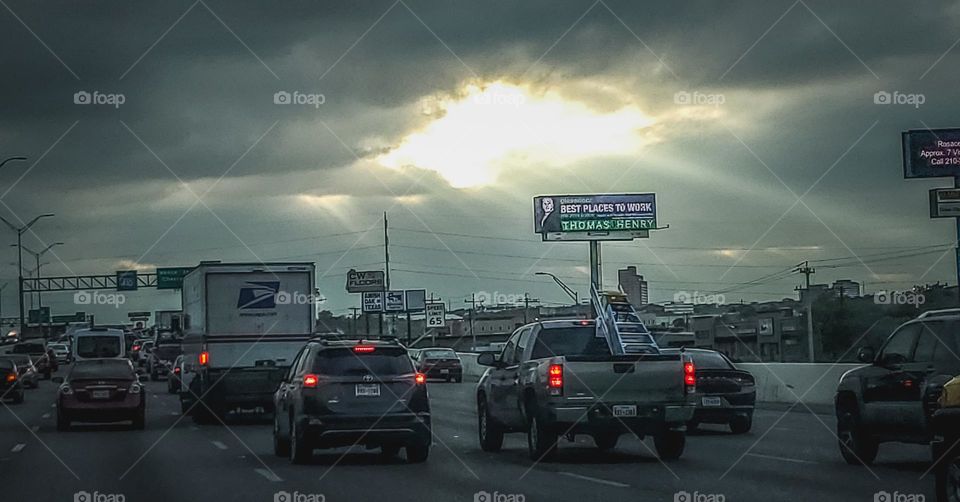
x=243, y=324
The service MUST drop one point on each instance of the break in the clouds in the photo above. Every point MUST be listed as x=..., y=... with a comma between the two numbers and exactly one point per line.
x=155, y=132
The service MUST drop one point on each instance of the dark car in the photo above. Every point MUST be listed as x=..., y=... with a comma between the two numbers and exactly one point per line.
x=945, y=445
x=724, y=394
x=173, y=376
x=26, y=371
x=100, y=390
x=893, y=397
x=166, y=348
x=440, y=363
x=10, y=385
x=38, y=353
x=341, y=393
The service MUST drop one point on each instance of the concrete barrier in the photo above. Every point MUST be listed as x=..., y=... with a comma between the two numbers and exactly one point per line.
x=813, y=384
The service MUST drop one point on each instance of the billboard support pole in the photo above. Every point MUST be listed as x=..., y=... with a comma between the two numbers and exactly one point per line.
x=956, y=184
x=596, y=275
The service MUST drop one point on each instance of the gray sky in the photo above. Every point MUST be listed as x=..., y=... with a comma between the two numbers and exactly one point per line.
x=452, y=116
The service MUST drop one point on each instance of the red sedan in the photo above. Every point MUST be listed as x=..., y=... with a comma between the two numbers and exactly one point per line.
x=100, y=390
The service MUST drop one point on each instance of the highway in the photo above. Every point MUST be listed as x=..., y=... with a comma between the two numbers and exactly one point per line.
x=787, y=456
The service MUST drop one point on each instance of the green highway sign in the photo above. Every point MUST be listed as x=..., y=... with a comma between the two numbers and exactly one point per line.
x=126, y=280
x=38, y=316
x=171, y=277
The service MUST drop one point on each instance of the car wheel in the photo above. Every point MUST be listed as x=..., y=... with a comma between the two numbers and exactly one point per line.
x=741, y=424
x=417, y=452
x=670, y=444
x=606, y=441
x=541, y=442
x=63, y=423
x=300, y=451
x=140, y=420
x=281, y=445
x=948, y=479
x=856, y=445
x=489, y=431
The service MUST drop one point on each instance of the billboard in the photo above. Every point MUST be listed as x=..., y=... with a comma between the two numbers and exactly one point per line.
x=931, y=153
x=594, y=217
x=944, y=202
x=365, y=282
x=373, y=302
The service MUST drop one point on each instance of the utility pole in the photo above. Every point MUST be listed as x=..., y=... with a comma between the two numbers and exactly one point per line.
x=473, y=308
x=386, y=261
x=805, y=269
x=526, y=305
x=596, y=272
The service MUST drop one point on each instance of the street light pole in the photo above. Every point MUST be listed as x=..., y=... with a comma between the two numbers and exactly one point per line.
x=20, y=231
x=566, y=289
x=37, y=255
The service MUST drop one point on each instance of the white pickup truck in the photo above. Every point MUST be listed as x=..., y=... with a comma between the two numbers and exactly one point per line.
x=558, y=378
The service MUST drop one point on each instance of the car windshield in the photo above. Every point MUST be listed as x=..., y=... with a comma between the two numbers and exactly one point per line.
x=98, y=346
x=439, y=354
x=58, y=346
x=382, y=361
x=6, y=364
x=29, y=348
x=18, y=360
x=103, y=368
x=569, y=341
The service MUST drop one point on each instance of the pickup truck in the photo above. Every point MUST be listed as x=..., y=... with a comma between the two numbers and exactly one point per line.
x=558, y=378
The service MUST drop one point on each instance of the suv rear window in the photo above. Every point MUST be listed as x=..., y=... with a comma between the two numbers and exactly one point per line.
x=28, y=348
x=108, y=368
x=438, y=354
x=382, y=361
x=570, y=341
x=98, y=346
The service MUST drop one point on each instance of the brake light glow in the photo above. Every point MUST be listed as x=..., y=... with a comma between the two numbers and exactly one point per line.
x=364, y=349
x=203, y=358
x=585, y=322
x=555, y=380
x=310, y=381
x=135, y=348
x=11, y=377
x=689, y=375
x=420, y=378
x=176, y=370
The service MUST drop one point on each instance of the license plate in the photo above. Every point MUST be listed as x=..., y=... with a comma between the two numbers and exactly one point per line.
x=444, y=372
x=368, y=390
x=711, y=401
x=100, y=394
x=625, y=410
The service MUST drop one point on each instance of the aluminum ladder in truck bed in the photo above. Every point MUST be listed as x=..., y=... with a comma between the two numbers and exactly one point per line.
x=619, y=324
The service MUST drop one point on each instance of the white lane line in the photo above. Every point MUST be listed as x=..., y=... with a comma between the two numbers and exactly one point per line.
x=220, y=445
x=782, y=459
x=269, y=475
x=45, y=415
x=595, y=480
x=18, y=448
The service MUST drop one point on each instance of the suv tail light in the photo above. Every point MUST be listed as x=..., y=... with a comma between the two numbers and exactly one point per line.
x=555, y=379
x=420, y=378
x=689, y=375
x=203, y=358
x=11, y=377
x=364, y=349
x=310, y=381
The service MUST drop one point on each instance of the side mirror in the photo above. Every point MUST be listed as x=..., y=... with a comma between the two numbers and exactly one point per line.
x=866, y=355
x=488, y=359
x=57, y=379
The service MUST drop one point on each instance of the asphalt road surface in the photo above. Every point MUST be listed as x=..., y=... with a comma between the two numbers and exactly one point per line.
x=787, y=456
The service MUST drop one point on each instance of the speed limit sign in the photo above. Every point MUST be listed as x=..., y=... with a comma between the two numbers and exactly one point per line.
x=436, y=313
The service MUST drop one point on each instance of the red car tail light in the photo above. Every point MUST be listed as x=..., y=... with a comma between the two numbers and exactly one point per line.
x=364, y=349
x=11, y=377
x=176, y=370
x=689, y=376
x=555, y=379
x=310, y=381
x=204, y=358
x=420, y=378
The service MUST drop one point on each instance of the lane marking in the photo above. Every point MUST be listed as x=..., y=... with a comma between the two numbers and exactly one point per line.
x=220, y=445
x=595, y=480
x=269, y=475
x=18, y=448
x=35, y=428
x=782, y=459
x=45, y=415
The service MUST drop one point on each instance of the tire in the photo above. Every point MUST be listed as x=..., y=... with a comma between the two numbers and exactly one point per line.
x=63, y=423
x=856, y=445
x=300, y=450
x=741, y=424
x=670, y=444
x=281, y=445
x=606, y=441
x=417, y=452
x=541, y=442
x=140, y=420
x=948, y=479
x=488, y=430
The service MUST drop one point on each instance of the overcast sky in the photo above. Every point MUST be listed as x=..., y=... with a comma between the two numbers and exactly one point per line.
x=451, y=116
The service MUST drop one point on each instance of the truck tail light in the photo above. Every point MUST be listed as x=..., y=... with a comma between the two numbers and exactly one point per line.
x=310, y=381
x=204, y=358
x=555, y=379
x=689, y=376
x=420, y=378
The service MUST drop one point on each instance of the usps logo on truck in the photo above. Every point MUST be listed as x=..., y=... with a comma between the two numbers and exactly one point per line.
x=258, y=295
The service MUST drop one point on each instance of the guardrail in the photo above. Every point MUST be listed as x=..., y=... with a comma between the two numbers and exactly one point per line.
x=785, y=383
